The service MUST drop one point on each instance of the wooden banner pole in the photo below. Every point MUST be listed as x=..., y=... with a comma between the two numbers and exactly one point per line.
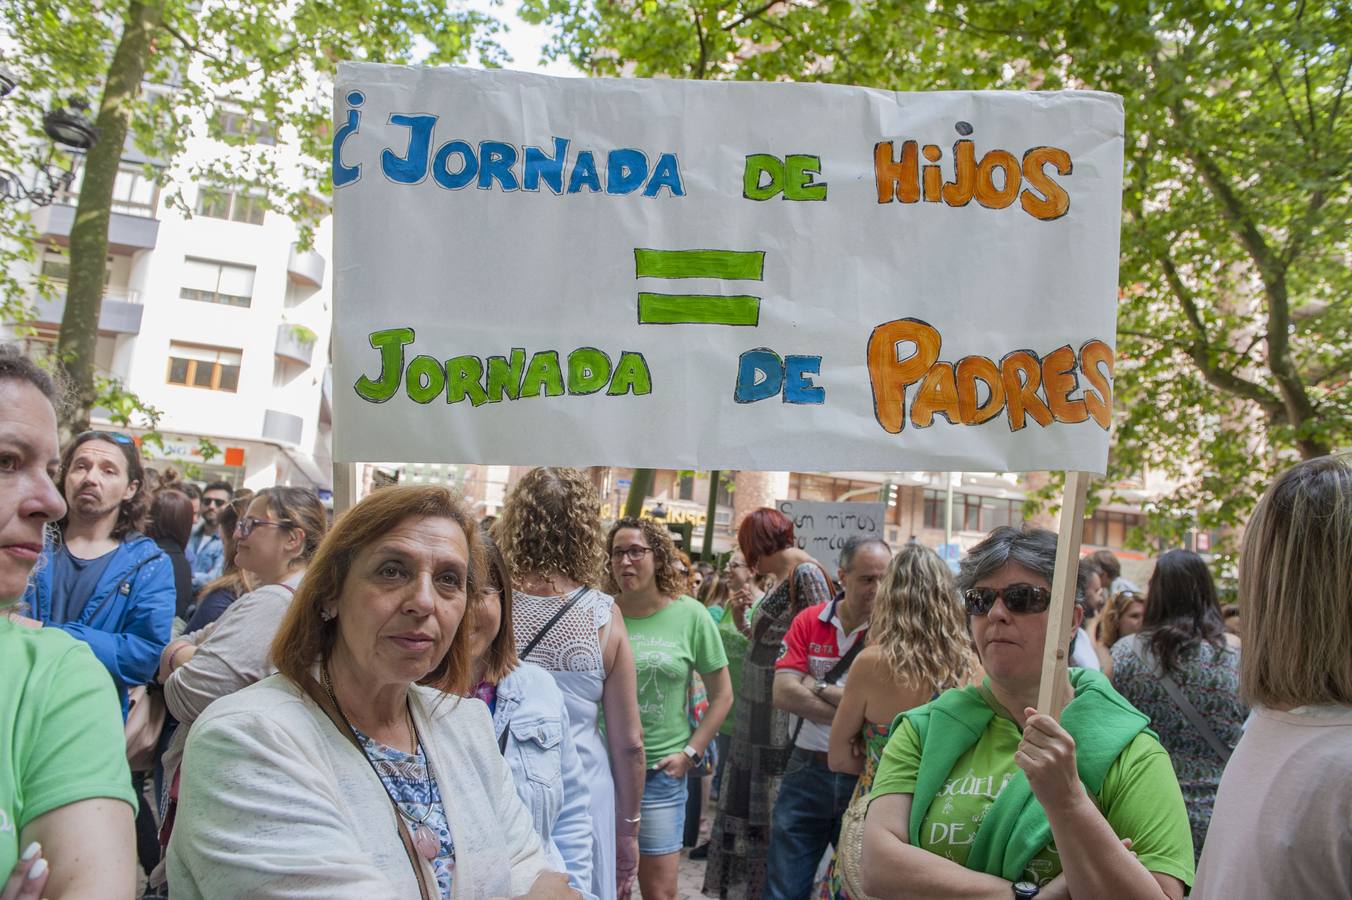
x=1056, y=650
x=345, y=487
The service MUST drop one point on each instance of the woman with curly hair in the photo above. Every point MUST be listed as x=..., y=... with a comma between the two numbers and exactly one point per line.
x=550, y=532
x=673, y=639
x=918, y=647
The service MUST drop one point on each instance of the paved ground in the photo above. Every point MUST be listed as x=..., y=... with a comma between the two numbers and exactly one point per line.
x=691, y=878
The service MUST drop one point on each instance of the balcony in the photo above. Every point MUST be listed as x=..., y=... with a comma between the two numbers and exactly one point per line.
x=127, y=233
x=305, y=267
x=120, y=313
x=295, y=344
x=282, y=427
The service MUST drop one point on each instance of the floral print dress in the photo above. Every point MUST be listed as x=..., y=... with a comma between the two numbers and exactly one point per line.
x=1209, y=678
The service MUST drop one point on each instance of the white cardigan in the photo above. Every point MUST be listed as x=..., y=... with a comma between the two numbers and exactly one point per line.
x=276, y=804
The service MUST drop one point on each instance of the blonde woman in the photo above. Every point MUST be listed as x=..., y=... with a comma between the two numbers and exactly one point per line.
x=918, y=646
x=1280, y=825
x=1121, y=616
x=550, y=533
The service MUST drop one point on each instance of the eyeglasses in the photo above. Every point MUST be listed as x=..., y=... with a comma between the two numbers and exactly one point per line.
x=734, y=565
x=245, y=526
x=633, y=554
x=116, y=437
x=214, y=501
x=1019, y=599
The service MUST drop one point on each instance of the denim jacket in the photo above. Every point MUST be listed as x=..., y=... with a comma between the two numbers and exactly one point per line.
x=206, y=555
x=546, y=768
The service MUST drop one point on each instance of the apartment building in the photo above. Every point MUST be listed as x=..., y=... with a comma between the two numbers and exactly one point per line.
x=215, y=317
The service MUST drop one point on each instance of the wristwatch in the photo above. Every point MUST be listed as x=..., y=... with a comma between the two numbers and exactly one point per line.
x=694, y=755
x=818, y=686
x=1025, y=890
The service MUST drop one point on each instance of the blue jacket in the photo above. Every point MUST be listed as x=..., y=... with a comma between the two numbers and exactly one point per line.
x=128, y=621
x=547, y=771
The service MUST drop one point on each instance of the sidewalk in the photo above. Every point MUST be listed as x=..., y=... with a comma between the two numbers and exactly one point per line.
x=691, y=877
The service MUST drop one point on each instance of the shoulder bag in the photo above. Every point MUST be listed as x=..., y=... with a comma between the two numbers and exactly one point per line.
x=1184, y=705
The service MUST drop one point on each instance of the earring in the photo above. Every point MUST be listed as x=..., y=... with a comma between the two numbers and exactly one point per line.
x=327, y=615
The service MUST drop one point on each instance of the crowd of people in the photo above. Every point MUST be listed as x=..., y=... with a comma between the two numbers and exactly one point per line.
x=214, y=693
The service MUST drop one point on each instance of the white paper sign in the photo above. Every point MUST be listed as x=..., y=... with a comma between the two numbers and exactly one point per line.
x=719, y=275
x=822, y=528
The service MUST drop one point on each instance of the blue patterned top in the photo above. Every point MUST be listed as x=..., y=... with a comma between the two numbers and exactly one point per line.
x=410, y=782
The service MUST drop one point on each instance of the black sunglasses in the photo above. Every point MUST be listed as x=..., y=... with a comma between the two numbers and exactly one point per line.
x=1019, y=599
x=214, y=501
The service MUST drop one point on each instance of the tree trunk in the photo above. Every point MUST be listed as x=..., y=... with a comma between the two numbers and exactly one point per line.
x=89, y=234
x=752, y=490
x=640, y=486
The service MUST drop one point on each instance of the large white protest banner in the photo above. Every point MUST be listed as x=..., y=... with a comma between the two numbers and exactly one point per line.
x=722, y=275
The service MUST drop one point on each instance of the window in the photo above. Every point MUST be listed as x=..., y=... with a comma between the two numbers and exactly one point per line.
x=217, y=282
x=56, y=266
x=972, y=512
x=134, y=192
x=233, y=204
x=685, y=487
x=214, y=368
x=1111, y=529
x=236, y=124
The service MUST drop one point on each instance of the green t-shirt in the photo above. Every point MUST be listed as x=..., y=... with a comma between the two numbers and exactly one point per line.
x=668, y=646
x=734, y=647
x=1140, y=799
x=62, y=728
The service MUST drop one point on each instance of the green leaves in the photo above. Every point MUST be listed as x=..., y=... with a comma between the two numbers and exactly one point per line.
x=1235, y=324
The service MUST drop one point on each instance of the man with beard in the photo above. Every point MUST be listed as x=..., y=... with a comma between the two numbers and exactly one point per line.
x=100, y=580
x=205, y=552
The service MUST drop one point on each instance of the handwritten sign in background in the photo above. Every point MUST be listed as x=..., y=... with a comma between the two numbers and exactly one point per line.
x=822, y=528
x=549, y=222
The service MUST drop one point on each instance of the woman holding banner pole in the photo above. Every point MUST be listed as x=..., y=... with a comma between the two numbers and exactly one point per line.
x=1084, y=807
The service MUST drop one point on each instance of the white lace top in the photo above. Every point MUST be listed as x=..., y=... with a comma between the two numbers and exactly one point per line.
x=573, y=652
x=574, y=644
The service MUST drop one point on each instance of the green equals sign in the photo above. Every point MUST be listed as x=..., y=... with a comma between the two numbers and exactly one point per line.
x=699, y=309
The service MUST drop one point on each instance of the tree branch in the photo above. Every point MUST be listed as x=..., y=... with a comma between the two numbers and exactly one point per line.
x=703, y=49
x=1200, y=350
x=190, y=46
x=754, y=14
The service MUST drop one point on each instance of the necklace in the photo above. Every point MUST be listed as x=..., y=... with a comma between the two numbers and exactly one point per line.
x=424, y=841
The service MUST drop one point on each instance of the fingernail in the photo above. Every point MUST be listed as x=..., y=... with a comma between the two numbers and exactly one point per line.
x=39, y=869
x=31, y=851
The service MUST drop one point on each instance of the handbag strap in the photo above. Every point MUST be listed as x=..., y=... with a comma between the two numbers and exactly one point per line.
x=540, y=635
x=414, y=858
x=840, y=668
x=1185, y=706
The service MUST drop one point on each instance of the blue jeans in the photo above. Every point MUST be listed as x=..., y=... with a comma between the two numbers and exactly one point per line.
x=663, y=814
x=806, y=820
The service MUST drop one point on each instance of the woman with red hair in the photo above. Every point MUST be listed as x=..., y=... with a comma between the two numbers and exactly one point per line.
x=762, y=735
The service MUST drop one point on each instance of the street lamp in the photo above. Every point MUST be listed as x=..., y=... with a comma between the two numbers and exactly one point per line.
x=67, y=126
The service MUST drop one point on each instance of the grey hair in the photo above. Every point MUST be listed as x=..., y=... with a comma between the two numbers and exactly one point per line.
x=1032, y=548
x=856, y=542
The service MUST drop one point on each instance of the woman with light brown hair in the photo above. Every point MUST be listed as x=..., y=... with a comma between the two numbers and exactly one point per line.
x=366, y=776
x=917, y=647
x=1121, y=616
x=550, y=533
x=1280, y=826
